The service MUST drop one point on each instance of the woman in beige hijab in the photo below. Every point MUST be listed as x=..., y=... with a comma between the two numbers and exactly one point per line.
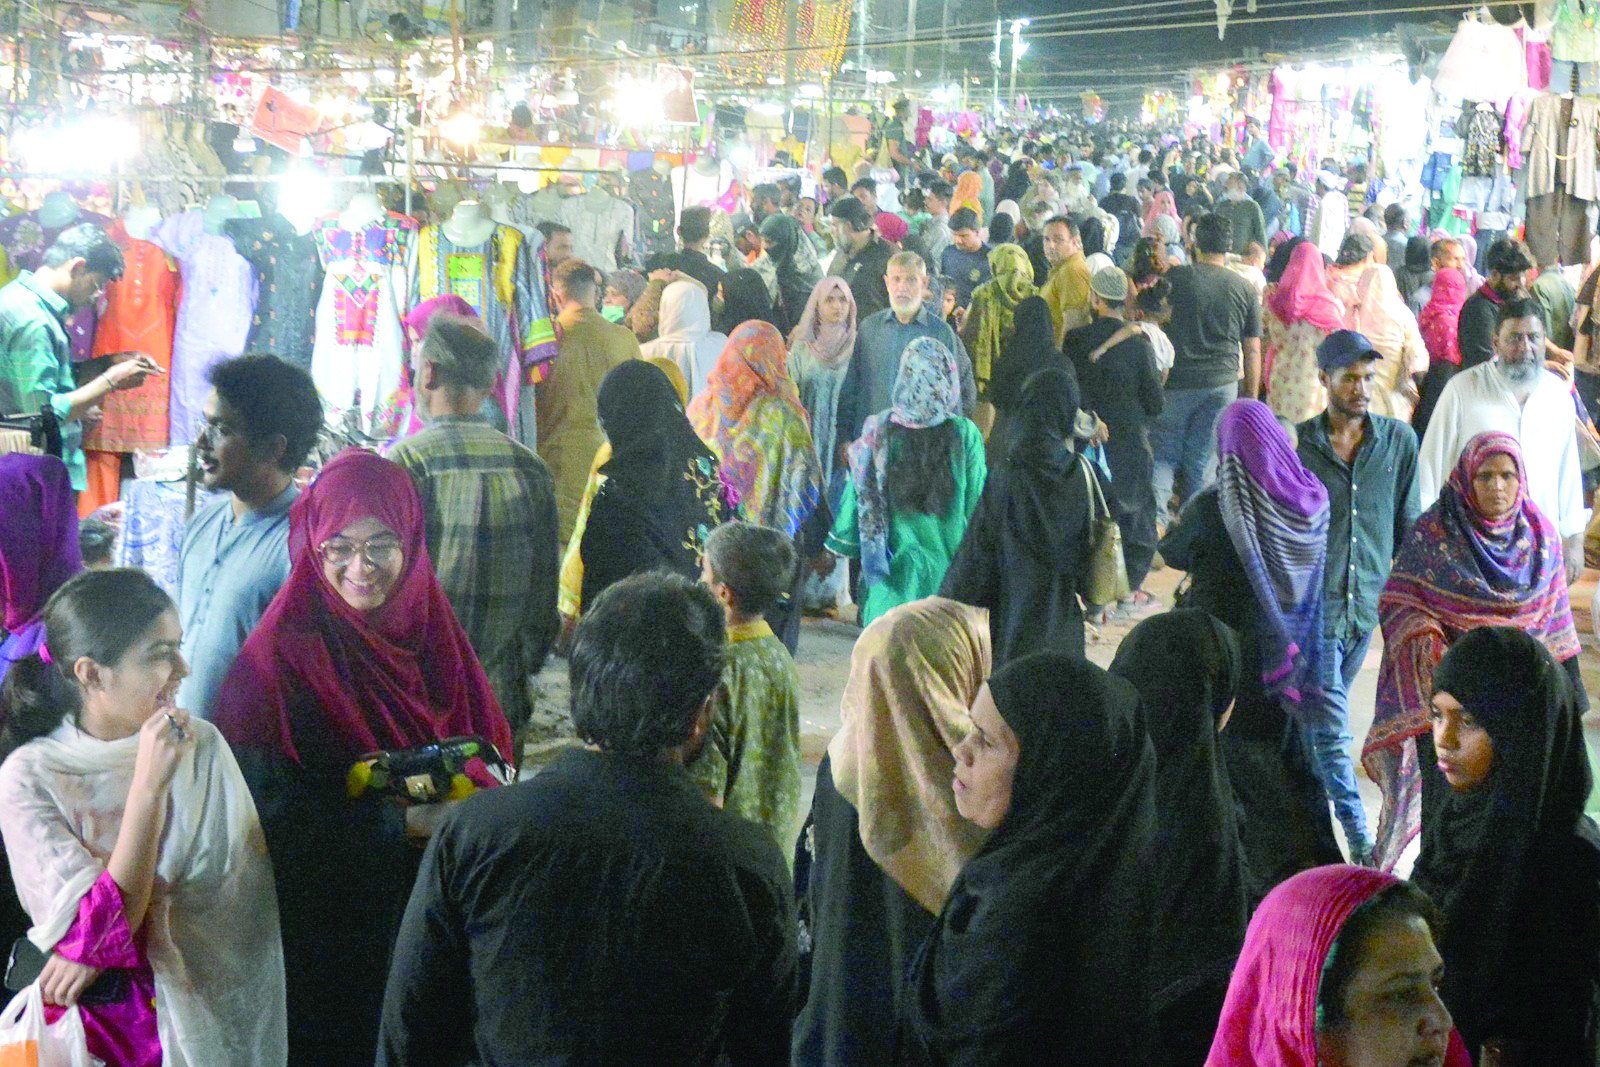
x=885, y=841
x=1381, y=315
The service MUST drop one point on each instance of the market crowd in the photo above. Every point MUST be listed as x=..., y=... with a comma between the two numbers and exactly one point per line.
x=269, y=813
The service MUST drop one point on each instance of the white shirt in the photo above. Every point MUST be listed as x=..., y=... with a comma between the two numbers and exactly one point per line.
x=1329, y=225
x=1476, y=401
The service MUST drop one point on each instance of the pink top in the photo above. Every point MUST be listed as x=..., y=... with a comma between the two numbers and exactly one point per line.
x=123, y=1033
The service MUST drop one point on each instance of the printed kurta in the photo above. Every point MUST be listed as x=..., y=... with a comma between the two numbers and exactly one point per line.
x=751, y=761
x=288, y=285
x=503, y=283
x=213, y=324
x=23, y=243
x=141, y=315
x=357, y=355
x=1295, y=391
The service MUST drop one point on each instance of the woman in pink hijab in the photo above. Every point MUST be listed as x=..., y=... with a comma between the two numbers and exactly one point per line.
x=1339, y=968
x=1300, y=312
x=1163, y=204
x=1440, y=324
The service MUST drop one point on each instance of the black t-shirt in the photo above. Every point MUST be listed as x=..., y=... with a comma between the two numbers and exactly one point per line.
x=1213, y=312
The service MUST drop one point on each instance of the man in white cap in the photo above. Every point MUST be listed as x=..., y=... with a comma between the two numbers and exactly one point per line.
x=1119, y=382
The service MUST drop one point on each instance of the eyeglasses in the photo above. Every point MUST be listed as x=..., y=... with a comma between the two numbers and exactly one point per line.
x=213, y=431
x=378, y=552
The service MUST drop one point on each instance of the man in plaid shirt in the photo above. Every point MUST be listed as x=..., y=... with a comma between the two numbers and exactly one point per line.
x=491, y=512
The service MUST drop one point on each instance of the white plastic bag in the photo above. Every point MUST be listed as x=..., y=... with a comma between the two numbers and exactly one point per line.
x=27, y=1041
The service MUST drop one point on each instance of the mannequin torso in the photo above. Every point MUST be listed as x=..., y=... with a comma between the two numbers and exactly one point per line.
x=469, y=224
x=364, y=210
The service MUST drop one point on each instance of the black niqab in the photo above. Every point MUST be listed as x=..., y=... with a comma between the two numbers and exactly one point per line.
x=1029, y=348
x=1515, y=863
x=1042, y=949
x=744, y=297
x=1186, y=666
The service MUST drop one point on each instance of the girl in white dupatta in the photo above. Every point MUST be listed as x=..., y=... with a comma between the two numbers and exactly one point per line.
x=133, y=840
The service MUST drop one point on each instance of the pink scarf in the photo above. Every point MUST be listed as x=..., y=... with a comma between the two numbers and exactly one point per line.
x=1440, y=320
x=1302, y=294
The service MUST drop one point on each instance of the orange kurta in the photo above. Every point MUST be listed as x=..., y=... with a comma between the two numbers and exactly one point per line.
x=140, y=316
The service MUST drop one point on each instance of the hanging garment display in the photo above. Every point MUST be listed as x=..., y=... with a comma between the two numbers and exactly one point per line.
x=1560, y=149
x=288, y=285
x=141, y=315
x=601, y=225
x=355, y=360
x=213, y=313
x=1479, y=129
x=651, y=193
x=24, y=239
x=1575, y=34
x=702, y=182
x=1485, y=61
x=501, y=279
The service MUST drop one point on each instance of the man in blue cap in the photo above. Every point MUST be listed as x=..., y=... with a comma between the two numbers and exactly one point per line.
x=1369, y=464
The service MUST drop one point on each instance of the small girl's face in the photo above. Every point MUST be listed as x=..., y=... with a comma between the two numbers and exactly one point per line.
x=949, y=302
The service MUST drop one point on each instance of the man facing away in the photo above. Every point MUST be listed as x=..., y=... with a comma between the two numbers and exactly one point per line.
x=605, y=911
x=258, y=425
x=490, y=508
x=1215, y=315
x=1369, y=465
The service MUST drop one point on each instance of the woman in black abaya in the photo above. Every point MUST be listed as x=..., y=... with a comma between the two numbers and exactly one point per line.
x=1186, y=666
x=1041, y=952
x=1508, y=853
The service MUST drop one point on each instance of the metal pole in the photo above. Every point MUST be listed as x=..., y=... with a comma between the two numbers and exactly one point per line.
x=1016, y=54
x=911, y=40
x=944, y=37
x=994, y=63
x=861, y=38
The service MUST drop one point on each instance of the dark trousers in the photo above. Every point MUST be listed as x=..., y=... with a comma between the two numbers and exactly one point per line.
x=1132, y=464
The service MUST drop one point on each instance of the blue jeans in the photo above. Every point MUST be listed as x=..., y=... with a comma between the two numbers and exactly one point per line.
x=1330, y=743
x=1184, y=437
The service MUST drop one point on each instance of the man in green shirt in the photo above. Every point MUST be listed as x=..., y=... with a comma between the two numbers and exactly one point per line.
x=35, y=354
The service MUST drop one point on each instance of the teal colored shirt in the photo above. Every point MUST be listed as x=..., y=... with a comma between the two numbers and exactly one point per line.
x=921, y=546
x=36, y=363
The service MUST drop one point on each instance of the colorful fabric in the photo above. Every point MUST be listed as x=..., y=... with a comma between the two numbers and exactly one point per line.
x=1441, y=317
x=1302, y=294
x=355, y=682
x=927, y=392
x=288, y=286
x=1457, y=571
x=1276, y=514
x=995, y=303
x=750, y=764
x=140, y=315
x=496, y=280
x=751, y=416
x=1270, y=1016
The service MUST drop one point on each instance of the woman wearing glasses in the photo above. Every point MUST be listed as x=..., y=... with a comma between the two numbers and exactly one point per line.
x=359, y=653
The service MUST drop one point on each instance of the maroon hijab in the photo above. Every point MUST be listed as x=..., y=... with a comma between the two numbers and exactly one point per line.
x=401, y=676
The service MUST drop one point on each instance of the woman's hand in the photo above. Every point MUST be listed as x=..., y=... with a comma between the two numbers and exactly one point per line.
x=62, y=982
x=163, y=739
x=423, y=819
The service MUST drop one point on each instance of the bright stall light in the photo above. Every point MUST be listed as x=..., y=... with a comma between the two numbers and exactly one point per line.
x=462, y=128
x=57, y=149
x=304, y=196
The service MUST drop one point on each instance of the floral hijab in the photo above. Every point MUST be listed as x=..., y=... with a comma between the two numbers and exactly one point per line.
x=927, y=392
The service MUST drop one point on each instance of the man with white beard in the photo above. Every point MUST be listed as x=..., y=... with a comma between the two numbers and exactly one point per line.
x=1514, y=393
x=882, y=337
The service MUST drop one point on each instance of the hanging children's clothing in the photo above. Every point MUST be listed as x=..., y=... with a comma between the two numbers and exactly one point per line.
x=1561, y=150
x=356, y=358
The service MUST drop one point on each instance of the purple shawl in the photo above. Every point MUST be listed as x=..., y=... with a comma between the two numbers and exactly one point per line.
x=1276, y=513
x=38, y=546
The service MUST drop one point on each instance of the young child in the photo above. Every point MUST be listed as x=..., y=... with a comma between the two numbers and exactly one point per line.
x=751, y=761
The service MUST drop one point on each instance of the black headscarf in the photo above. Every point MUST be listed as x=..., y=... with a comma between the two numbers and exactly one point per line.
x=1093, y=232
x=1187, y=666
x=662, y=491
x=783, y=234
x=1280, y=260
x=1016, y=183
x=1030, y=347
x=1491, y=857
x=1417, y=271
x=1043, y=945
x=744, y=297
